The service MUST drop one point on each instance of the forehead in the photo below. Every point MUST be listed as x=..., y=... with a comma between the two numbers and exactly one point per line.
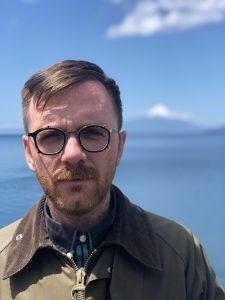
x=80, y=104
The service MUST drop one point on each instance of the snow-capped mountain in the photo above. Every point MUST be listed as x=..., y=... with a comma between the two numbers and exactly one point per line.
x=161, y=120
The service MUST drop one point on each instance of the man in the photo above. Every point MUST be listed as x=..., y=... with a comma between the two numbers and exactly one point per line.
x=84, y=239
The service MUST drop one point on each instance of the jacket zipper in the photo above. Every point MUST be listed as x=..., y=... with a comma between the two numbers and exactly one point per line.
x=78, y=290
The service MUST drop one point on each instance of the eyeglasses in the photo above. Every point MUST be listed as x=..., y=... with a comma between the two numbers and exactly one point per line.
x=92, y=138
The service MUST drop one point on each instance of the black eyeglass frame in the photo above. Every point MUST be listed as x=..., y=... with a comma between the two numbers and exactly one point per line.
x=76, y=132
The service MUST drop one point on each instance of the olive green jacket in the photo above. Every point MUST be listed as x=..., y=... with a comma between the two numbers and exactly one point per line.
x=144, y=257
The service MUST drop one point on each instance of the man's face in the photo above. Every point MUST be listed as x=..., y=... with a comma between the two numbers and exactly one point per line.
x=75, y=181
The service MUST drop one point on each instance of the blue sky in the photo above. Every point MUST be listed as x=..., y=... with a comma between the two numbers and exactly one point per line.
x=167, y=55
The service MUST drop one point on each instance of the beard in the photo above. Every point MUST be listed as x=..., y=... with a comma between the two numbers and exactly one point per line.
x=75, y=190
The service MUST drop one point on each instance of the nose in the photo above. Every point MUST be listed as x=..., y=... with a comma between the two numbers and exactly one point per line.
x=73, y=152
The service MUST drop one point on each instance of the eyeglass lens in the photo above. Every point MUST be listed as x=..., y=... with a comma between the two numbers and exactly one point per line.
x=92, y=138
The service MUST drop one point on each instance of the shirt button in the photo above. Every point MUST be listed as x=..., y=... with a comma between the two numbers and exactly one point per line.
x=83, y=238
x=69, y=255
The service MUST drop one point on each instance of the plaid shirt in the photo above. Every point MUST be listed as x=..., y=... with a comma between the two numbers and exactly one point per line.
x=79, y=244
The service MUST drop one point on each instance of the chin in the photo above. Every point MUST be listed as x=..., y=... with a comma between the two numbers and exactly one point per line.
x=75, y=208
x=75, y=202
x=78, y=199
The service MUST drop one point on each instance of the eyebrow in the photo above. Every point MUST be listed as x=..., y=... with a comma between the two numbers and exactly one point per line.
x=78, y=128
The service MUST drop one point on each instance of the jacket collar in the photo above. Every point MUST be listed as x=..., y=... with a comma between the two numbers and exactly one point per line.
x=131, y=230
x=29, y=237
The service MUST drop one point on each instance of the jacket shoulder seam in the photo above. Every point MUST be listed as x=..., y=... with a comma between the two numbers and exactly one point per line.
x=171, y=247
x=6, y=235
x=5, y=244
x=160, y=233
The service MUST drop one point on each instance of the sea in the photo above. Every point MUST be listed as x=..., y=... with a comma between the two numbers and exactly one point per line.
x=178, y=177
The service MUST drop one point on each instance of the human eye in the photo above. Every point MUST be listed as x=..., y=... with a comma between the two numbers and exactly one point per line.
x=49, y=136
x=94, y=132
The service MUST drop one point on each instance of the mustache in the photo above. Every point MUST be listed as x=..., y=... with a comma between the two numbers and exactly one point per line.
x=75, y=173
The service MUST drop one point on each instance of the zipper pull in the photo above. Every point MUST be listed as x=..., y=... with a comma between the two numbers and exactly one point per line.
x=80, y=280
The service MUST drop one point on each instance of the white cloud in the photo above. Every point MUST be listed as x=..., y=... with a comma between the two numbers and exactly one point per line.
x=161, y=111
x=152, y=16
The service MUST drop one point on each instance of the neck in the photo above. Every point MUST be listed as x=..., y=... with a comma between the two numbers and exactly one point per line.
x=81, y=222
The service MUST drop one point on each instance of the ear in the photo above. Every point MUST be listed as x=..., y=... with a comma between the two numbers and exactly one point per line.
x=28, y=154
x=122, y=139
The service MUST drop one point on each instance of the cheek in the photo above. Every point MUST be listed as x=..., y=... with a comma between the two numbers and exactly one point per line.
x=44, y=165
x=107, y=161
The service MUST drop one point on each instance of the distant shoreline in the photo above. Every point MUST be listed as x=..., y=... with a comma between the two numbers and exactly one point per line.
x=140, y=135
x=10, y=134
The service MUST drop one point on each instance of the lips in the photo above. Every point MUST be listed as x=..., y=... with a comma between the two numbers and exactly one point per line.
x=74, y=180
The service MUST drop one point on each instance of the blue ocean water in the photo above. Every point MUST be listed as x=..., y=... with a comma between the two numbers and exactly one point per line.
x=180, y=178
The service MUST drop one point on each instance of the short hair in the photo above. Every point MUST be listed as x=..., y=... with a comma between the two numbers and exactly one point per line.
x=48, y=81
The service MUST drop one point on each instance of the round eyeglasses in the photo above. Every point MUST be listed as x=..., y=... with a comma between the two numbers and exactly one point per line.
x=92, y=138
